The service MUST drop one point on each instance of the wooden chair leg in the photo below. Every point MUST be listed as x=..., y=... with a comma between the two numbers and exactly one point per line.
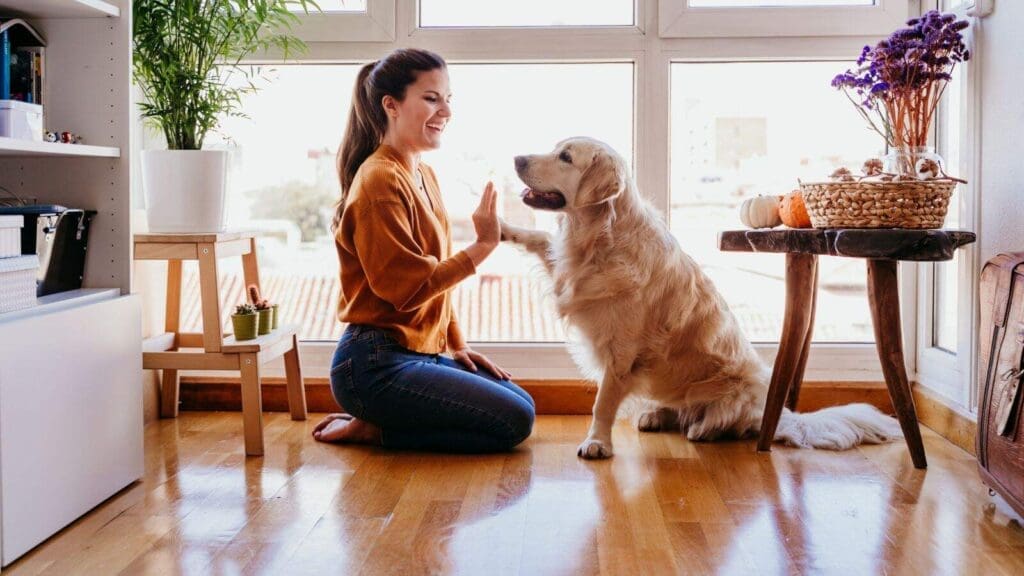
x=799, y=282
x=798, y=377
x=168, y=393
x=296, y=389
x=883, y=296
x=252, y=404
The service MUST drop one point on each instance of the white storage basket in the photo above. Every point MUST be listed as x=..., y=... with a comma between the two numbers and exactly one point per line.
x=18, y=282
x=10, y=236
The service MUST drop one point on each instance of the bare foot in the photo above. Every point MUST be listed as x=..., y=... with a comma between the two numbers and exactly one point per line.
x=346, y=429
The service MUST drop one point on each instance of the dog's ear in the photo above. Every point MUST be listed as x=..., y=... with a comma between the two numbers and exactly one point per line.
x=602, y=182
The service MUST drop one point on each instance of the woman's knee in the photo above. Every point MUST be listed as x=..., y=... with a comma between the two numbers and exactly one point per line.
x=520, y=416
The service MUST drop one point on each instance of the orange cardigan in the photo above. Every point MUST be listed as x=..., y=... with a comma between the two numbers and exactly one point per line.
x=395, y=251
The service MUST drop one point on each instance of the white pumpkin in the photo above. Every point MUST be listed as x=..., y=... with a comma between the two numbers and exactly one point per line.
x=760, y=212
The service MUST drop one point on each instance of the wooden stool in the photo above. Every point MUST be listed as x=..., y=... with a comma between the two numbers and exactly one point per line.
x=882, y=249
x=218, y=352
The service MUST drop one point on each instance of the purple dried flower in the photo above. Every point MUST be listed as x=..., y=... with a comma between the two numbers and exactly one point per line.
x=901, y=79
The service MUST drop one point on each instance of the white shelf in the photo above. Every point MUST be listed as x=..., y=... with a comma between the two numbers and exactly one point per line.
x=62, y=301
x=59, y=8
x=15, y=147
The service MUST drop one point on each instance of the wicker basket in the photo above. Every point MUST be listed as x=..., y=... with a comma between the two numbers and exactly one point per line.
x=876, y=204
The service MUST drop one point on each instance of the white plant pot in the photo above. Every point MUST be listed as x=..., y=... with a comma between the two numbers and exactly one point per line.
x=185, y=190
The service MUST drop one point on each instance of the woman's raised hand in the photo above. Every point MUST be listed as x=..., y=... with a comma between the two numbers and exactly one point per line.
x=485, y=218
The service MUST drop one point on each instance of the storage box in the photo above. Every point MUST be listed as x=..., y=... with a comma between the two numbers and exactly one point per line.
x=21, y=120
x=18, y=282
x=10, y=235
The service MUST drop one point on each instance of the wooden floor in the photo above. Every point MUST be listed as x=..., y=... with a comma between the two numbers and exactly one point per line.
x=661, y=506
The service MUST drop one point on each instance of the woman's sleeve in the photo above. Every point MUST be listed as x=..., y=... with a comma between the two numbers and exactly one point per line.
x=395, y=265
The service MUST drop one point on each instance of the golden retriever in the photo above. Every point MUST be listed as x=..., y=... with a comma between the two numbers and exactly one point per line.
x=648, y=321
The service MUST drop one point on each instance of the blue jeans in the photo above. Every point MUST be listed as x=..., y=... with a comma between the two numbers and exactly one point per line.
x=426, y=401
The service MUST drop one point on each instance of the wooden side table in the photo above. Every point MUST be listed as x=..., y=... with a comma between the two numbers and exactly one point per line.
x=882, y=249
x=218, y=351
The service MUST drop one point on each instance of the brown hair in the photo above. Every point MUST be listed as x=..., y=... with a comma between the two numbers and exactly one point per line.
x=367, y=123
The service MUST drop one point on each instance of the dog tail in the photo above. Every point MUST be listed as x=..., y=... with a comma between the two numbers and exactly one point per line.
x=837, y=427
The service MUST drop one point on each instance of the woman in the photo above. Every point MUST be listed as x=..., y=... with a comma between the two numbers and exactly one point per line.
x=397, y=272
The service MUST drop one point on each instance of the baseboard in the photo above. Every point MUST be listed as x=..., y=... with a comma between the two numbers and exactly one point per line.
x=577, y=397
x=959, y=428
x=551, y=396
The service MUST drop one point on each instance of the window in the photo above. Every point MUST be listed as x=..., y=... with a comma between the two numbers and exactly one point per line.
x=744, y=18
x=348, y=20
x=728, y=146
x=946, y=291
x=523, y=82
x=775, y=3
x=456, y=13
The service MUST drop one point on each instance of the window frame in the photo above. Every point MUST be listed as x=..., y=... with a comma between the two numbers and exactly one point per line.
x=677, y=19
x=652, y=56
x=376, y=24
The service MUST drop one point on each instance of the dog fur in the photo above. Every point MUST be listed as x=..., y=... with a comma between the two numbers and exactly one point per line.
x=647, y=319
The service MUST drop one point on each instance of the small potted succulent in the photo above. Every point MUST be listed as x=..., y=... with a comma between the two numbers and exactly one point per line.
x=263, y=309
x=244, y=321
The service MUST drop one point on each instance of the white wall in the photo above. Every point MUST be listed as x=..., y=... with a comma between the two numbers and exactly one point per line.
x=1002, y=130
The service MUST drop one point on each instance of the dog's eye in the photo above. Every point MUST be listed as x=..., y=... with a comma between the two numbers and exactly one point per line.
x=564, y=157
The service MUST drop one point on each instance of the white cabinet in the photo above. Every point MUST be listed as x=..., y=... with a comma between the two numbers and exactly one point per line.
x=71, y=370
x=70, y=415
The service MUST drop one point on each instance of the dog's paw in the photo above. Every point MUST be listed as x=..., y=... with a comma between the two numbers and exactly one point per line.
x=594, y=449
x=658, y=420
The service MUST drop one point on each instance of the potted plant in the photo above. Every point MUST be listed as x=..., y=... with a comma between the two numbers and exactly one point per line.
x=263, y=310
x=185, y=55
x=244, y=321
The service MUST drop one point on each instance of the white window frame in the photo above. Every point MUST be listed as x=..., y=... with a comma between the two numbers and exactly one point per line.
x=677, y=19
x=951, y=374
x=652, y=56
x=376, y=24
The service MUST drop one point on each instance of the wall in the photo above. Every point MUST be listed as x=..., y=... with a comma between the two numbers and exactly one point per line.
x=1002, y=125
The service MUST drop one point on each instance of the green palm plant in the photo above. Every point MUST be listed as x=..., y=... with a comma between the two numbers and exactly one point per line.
x=185, y=52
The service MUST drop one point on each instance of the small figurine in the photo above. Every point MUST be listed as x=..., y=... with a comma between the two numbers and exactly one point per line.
x=842, y=175
x=927, y=169
x=50, y=136
x=872, y=167
x=66, y=137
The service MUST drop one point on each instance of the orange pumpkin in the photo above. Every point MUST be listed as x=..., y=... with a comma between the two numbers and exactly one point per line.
x=793, y=211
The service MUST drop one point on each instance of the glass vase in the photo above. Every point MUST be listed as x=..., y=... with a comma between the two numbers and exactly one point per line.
x=910, y=162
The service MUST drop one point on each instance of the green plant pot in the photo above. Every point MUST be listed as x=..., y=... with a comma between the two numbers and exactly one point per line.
x=244, y=325
x=274, y=314
x=265, y=319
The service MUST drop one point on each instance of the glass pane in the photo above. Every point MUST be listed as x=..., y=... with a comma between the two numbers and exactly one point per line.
x=283, y=183
x=950, y=125
x=945, y=312
x=728, y=146
x=453, y=13
x=775, y=3
x=337, y=6
x=509, y=299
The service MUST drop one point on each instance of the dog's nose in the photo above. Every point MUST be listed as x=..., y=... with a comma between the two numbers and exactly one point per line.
x=520, y=162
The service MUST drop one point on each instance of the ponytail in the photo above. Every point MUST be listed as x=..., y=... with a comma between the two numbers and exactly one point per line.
x=367, y=122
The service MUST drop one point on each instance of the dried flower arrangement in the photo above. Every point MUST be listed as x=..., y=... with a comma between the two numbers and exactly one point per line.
x=897, y=84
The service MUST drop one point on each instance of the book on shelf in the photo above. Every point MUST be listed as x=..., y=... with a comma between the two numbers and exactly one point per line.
x=22, y=62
